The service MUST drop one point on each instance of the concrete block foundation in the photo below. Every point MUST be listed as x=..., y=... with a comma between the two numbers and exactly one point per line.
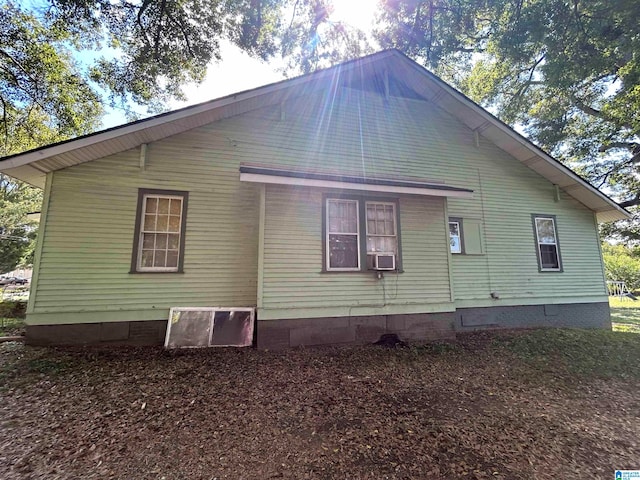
x=282, y=334
x=279, y=334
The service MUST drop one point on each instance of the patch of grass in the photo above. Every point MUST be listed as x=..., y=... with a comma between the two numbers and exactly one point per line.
x=46, y=366
x=587, y=353
x=9, y=326
x=625, y=315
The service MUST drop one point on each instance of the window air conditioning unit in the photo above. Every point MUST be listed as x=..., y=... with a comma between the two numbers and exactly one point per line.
x=384, y=261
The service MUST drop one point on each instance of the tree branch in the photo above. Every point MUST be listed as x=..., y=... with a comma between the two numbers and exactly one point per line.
x=631, y=146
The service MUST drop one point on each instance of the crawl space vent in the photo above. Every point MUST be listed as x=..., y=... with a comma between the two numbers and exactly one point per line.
x=192, y=327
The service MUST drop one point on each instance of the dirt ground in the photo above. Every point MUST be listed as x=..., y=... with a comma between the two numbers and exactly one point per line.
x=468, y=410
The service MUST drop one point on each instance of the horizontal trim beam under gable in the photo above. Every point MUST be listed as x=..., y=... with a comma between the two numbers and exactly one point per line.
x=318, y=180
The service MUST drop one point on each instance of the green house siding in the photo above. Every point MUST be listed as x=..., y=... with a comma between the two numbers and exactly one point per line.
x=88, y=230
x=296, y=287
x=509, y=194
x=88, y=237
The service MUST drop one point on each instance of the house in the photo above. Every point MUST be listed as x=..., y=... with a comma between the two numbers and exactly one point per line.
x=363, y=199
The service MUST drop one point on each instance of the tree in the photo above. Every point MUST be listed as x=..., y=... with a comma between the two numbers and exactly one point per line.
x=622, y=264
x=153, y=48
x=17, y=231
x=567, y=72
x=43, y=99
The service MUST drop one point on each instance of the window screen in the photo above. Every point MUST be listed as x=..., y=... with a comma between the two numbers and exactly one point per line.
x=210, y=327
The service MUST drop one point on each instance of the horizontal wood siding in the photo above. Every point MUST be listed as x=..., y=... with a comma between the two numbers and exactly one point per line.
x=295, y=285
x=89, y=227
x=508, y=194
x=87, y=248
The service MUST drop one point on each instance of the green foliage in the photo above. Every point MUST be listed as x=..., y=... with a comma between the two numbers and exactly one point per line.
x=13, y=309
x=10, y=326
x=17, y=230
x=568, y=72
x=622, y=264
x=43, y=97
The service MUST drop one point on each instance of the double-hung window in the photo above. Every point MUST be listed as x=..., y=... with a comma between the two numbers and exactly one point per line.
x=159, y=242
x=343, y=235
x=361, y=234
x=547, y=246
x=382, y=238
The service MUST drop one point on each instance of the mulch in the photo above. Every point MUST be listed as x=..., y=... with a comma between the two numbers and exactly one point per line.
x=459, y=411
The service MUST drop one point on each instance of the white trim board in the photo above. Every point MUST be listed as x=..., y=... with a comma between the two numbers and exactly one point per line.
x=307, y=182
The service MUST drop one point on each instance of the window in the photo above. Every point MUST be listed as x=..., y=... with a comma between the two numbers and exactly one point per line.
x=548, y=249
x=346, y=220
x=159, y=238
x=343, y=235
x=466, y=236
x=455, y=235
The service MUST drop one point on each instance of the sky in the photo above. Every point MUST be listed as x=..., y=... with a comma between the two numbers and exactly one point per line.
x=235, y=73
x=238, y=71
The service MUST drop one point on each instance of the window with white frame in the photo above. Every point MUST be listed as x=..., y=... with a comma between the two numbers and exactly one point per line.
x=360, y=233
x=455, y=235
x=159, y=244
x=548, y=250
x=343, y=235
x=381, y=228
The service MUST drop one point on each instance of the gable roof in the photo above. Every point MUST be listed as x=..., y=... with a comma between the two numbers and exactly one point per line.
x=405, y=78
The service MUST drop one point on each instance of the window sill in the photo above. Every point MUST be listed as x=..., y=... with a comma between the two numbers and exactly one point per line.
x=154, y=272
x=367, y=272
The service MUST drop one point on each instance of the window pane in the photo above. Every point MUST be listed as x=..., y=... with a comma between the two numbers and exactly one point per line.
x=159, y=259
x=381, y=244
x=455, y=244
x=173, y=242
x=371, y=212
x=343, y=216
x=149, y=223
x=343, y=251
x=546, y=232
x=549, y=256
x=172, y=258
x=147, y=258
x=151, y=205
x=176, y=206
x=174, y=223
x=148, y=241
x=162, y=224
x=161, y=242
x=454, y=228
x=163, y=205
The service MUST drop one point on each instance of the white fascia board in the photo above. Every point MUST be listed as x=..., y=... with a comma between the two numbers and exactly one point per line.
x=307, y=182
x=116, y=132
x=527, y=144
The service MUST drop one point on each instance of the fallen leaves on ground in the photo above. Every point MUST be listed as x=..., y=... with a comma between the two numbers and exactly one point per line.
x=460, y=411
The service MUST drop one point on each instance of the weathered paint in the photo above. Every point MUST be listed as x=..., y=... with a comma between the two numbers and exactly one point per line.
x=88, y=234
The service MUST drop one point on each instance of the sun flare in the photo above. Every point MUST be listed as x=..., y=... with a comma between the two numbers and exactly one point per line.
x=357, y=13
